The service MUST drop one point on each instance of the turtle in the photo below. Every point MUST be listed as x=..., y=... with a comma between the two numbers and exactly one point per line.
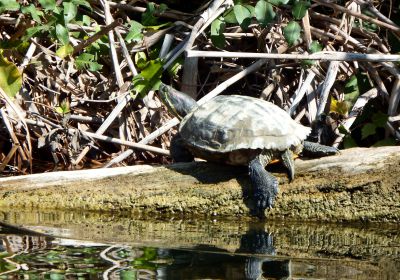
x=240, y=130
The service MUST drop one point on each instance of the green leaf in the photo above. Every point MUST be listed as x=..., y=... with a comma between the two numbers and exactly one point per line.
x=217, y=27
x=264, y=12
x=349, y=142
x=64, y=108
x=100, y=47
x=86, y=20
x=367, y=130
x=32, y=31
x=278, y=2
x=48, y=5
x=352, y=82
x=8, y=5
x=356, y=84
x=351, y=91
x=153, y=69
x=35, y=13
x=140, y=85
x=154, y=52
x=243, y=15
x=385, y=142
x=229, y=16
x=19, y=45
x=62, y=34
x=161, y=8
x=217, y=33
x=10, y=77
x=65, y=50
x=87, y=61
x=251, y=9
x=70, y=11
x=141, y=60
x=82, y=3
x=315, y=46
x=135, y=32
x=380, y=119
x=343, y=130
x=174, y=68
x=292, y=33
x=148, y=17
x=299, y=9
x=149, y=78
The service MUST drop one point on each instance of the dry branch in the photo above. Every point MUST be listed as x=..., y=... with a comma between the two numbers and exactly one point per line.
x=97, y=35
x=49, y=80
x=389, y=26
x=323, y=55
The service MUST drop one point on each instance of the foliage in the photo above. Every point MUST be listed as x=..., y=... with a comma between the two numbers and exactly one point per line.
x=299, y=9
x=135, y=33
x=355, y=84
x=51, y=19
x=149, y=78
x=315, y=46
x=292, y=33
x=368, y=129
x=149, y=17
x=243, y=14
x=217, y=35
x=64, y=83
x=87, y=61
x=10, y=77
x=9, y=5
x=368, y=126
x=64, y=107
x=264, y=13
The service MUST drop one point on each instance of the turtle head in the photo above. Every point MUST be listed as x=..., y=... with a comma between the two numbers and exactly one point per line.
x=178, y=103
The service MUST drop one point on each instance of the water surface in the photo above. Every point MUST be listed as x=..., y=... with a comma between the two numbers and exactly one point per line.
x=70, y=245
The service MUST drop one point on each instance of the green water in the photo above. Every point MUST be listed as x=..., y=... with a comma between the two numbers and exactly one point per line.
x=61, y=245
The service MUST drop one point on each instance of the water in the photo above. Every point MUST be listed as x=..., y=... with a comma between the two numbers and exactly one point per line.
x=102, y=246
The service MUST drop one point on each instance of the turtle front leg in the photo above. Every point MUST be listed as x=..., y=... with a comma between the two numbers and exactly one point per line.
x=265, y=186
x=312, y=149
x=178, y=150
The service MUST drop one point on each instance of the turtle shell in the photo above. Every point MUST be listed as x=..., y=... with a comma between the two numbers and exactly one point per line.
x=233, y=122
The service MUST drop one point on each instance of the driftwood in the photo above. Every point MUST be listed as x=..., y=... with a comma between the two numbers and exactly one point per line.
x=357, y=185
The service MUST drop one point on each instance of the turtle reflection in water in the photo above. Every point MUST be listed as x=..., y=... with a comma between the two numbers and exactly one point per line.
x=239, y=130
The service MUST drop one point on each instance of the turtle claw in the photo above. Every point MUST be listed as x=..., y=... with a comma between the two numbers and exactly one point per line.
x=332, y=151
x=312, y=149
x=264, y=196
x=265, y=187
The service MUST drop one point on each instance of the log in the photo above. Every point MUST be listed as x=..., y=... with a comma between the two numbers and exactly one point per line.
x=360, y=184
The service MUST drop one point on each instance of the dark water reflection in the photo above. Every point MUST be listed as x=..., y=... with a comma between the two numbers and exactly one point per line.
x=100, y=246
